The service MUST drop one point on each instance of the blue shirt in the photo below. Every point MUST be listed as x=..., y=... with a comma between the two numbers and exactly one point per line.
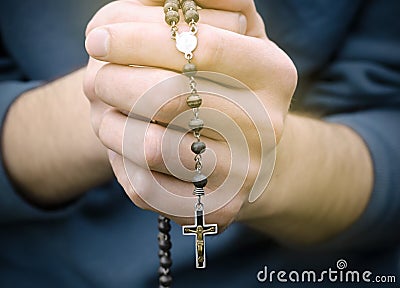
x=347, y=56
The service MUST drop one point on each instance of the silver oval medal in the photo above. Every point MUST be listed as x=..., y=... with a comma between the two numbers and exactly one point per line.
x=186, y=42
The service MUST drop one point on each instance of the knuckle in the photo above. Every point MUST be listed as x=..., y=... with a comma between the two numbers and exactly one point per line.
x=137, y=185
x=288, y=74
x=94, y=120
x=88, y=87
x=213, y=50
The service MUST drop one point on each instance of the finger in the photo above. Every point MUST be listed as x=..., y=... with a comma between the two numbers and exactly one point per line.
x=259, y=61
x=89, y=79
x=161, y=95
x=151, y=191
x=255, y=26
x=124, y=11
x=122, y=86
x=153, y=147
x=117, y=164
x=224, y=216
x=141, y=184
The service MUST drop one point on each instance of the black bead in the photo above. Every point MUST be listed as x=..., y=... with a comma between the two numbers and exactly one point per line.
x=161, y=253
x=163, y=219
x=162, y=271
x=164, y=245
x=198, y=147
x=165, y=262
x=163, y=236
x=199, y=180
x=165, y=280
x=164, y=227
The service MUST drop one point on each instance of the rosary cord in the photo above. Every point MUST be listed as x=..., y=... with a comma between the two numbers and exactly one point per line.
x=186, y=44
x=164, y=252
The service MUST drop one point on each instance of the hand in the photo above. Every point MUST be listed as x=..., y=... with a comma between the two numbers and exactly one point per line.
x=232, y=41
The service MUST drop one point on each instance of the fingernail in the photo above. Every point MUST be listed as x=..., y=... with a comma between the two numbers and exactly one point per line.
x=97, y=43
x=242, y=24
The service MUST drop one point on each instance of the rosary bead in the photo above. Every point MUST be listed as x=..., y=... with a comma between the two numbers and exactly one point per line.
x=198, y=147
x=164, y=245
x=162, y=253
x=196, y=124
x=165, y=280
x=194, y=101
x=162, y=271
x=171, y=5
x=199, y=180
x=164, y=227
x=163, y=219
x=192, y=15
x=172, y=17
x=165, y=262
x=189, y=69
x=187, y=5
x=162, y=235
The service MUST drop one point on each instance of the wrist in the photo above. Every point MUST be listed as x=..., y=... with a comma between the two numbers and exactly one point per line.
x=319, y=187
x=49, y=148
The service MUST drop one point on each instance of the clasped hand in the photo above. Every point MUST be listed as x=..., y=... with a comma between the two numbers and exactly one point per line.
x=131, y=51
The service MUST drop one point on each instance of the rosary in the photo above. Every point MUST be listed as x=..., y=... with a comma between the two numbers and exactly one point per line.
x=186, y=42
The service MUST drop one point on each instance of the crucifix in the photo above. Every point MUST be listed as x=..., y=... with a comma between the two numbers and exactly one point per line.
x=199, y=229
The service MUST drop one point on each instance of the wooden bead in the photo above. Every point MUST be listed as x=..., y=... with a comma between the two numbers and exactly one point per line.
x=173, y=1
x=172, y=17
x=199, y=180
x=196, y=124
x=194, y=101
x=171, y=5
x=192, y=15
x=198, y=147
x=189, y=69
x=187, y=5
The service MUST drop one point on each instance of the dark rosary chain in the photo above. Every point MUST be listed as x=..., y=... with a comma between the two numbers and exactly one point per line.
x=164, y=252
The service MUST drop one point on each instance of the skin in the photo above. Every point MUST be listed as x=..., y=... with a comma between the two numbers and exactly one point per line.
x=49, y=147
x=329, y=163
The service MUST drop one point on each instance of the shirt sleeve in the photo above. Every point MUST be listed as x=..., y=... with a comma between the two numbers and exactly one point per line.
x=378, y=224
x=360, y=88
x=38, y=43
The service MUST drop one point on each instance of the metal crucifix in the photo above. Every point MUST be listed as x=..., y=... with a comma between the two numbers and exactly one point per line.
x=199, y=229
